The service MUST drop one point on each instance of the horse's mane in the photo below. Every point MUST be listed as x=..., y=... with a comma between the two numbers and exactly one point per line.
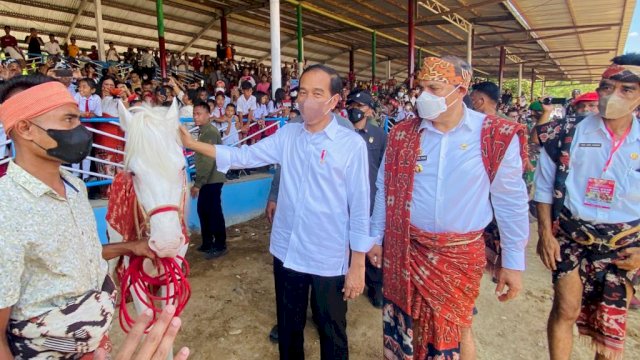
x=152, y=136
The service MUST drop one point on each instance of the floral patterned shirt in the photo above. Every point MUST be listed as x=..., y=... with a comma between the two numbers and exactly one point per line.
x=50, y=251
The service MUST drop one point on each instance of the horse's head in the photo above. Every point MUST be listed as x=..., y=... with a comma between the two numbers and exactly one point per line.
x=154, y=156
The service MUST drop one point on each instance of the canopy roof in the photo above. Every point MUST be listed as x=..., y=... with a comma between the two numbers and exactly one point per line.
x=561, y=39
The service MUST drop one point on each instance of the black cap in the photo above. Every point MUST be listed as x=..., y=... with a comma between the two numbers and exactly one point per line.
x=362, y=97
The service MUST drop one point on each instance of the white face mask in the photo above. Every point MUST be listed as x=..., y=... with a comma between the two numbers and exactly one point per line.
x=430, y=106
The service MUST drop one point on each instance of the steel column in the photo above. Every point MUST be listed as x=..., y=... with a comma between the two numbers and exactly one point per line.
x=276, y=71
x=533, y=81
x=300, y=40
x=520, y=70
x=412, y=40
x=99, y=30
x=503, y=55
x=161, y=42
x=224, y=31
x=373, y=56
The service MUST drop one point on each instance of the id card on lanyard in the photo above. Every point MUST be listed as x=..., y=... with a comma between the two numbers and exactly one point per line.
x=601, y=192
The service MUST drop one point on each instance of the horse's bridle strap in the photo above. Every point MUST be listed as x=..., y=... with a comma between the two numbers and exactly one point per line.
x=163, y=209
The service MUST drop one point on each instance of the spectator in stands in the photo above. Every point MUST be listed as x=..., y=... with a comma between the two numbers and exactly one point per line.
x=264, y=85
x=34, y=43
x=246, y=105
x=221, y=50
x=507, y=97
x=246, y=76
x=188, y=99
x=135, y=81
x=228, y=53
x=53, y=47
x=216, y=76
x=196, y=63
x=89, y=104
x=93, y=54
x=9, y=44
x=112, y=55
x=83, y=56
x=182, y=63
x=277, y=106
x=208, y=188
x=14, y=68
x=230, y=133
x=513, y=114
x=485, y=97
x=72, y=49
x=129, y=56
x=148, y=64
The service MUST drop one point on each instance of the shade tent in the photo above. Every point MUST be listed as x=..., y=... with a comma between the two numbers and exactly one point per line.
x=559, y=39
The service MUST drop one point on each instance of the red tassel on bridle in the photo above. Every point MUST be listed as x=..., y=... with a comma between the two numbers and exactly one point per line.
x=172, y=276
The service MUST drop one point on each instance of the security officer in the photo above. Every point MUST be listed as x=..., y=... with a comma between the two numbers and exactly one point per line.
x=361, y=111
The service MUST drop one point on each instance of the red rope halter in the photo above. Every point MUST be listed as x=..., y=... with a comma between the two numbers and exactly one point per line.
x=172, y=272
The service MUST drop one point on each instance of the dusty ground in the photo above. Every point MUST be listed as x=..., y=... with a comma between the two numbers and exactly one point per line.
x=232, y=310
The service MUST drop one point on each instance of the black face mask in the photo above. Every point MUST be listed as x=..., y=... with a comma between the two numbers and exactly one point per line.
x=73, y=145
x=355, y=115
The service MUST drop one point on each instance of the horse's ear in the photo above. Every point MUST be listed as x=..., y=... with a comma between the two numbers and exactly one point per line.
x=174, y=113
x=125, y=116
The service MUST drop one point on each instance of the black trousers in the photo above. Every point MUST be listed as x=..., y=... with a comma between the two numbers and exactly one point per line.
x=373, y=278
x=328, y=307
x=211, y=218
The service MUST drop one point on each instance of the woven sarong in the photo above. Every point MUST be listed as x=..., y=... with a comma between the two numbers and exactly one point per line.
x=73, y=331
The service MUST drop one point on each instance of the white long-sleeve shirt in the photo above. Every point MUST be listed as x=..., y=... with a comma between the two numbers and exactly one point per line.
x=453, y=192
x=323, y=203
x=590, y=150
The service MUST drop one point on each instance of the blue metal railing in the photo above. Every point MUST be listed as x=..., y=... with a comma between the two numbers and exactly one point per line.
x=190, y=169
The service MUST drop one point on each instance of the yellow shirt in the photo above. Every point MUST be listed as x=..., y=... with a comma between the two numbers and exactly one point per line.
x=73, y=50
x=49, y=247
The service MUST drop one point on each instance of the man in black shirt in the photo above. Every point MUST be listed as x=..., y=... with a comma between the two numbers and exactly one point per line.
x=35, y=43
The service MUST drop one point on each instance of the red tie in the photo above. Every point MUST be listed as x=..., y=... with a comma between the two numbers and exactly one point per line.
x=86, y=105
x=220, y=110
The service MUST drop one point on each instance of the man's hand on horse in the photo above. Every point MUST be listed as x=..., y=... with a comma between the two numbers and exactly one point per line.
x=194, y=192
x=628, y=259
x=185, y=136
x=141, y=248
x=156, y=345
x=512, y=279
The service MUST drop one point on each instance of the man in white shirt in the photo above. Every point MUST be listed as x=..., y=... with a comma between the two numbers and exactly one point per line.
x=319, y=236
x=112, y=55
x=435, y=197
x=52, y=47
x=588, y=192
x=246, y=106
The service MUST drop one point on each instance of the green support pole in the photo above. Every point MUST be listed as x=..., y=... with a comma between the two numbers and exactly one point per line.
x=300, y=40
x=161, y=41
x=373, y=57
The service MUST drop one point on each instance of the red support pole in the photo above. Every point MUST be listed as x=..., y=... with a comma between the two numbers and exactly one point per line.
x=412, y=40
x=503, y=55
x=223, y=30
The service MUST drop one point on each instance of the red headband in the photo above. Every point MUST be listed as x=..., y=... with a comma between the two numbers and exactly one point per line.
x=33, y=102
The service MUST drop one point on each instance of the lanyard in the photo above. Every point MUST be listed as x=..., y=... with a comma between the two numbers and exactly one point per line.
x=614, y=146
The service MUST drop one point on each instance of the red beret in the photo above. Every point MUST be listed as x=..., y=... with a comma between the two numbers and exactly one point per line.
x=590, y=96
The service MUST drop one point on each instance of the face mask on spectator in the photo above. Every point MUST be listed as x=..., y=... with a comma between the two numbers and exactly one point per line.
x=72, y=145
x=355, y=115
x=430, y=106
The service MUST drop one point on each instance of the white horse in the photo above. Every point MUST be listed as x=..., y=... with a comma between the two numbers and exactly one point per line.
x=155, y=158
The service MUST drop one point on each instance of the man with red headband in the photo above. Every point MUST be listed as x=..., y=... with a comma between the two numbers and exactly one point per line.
x=56, y=299
x=587, y=189
x=444, y=177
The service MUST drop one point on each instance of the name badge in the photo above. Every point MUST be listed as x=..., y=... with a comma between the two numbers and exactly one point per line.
x=422, y=157
x=600, y=193
x=590, y=145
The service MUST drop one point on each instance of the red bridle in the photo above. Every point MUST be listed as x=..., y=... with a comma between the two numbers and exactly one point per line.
x=172, y=272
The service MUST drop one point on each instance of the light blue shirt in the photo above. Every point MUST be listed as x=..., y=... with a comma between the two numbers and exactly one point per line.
x=323, y=202
x=590, y=150
x=453, y=192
